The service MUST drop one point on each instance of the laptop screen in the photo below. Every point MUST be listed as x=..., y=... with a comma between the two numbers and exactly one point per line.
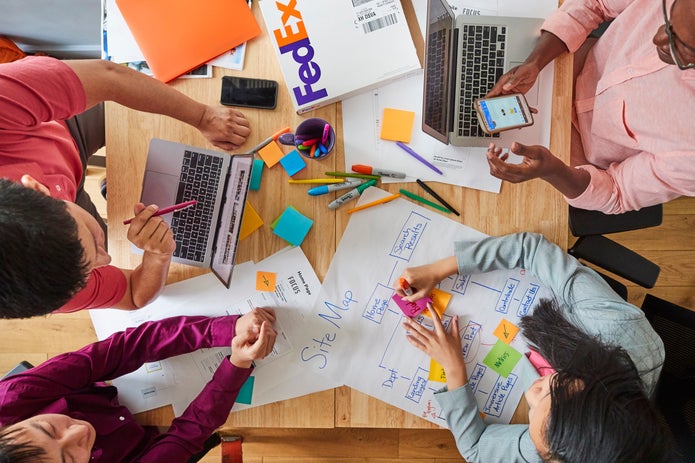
x=436, y=117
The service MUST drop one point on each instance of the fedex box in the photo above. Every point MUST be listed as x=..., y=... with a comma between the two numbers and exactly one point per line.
x=333, y=49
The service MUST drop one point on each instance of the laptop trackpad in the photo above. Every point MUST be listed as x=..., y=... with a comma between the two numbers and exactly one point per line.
x=159, y=189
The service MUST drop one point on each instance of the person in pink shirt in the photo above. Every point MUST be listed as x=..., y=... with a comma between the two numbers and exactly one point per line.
x=633, y=143
x=62, y=411
x=52, y=250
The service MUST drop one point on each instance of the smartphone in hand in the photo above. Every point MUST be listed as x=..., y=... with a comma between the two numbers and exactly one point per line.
x=249, y=93
x=504, y=112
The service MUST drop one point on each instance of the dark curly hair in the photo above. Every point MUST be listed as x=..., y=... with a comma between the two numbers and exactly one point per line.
x=42, y=262
x=599, y=409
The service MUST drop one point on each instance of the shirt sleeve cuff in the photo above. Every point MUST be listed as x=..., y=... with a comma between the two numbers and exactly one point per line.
x=567, y=29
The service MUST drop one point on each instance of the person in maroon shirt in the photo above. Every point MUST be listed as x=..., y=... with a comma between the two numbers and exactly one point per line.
x=62, y=412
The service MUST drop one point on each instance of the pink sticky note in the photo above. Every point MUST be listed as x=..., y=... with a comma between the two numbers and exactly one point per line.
x=411, y=309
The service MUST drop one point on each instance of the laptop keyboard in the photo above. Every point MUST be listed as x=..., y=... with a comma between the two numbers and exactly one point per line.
x=437, y=44
x=483, y=64
x=199, y=180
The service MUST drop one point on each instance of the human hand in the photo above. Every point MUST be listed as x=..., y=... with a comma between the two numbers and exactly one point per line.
x=538, y=162
x=442, y=345
x=422, y=279
x=250, y=323
x=151, y=233
x=247, y=346
x=519, y=79
x=225, y=128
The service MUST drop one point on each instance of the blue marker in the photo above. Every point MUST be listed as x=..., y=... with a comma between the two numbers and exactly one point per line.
x=354, y=193
x=325, y=189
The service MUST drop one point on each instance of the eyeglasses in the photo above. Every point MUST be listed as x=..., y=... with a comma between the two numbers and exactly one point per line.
x=672, y=43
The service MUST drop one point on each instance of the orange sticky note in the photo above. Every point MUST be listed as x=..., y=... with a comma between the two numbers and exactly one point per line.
x=397, y=125
x=271, y=154
x=265, y=281
x=506, y=331
x=250, y=221
x=436, y=372
x=440, y=299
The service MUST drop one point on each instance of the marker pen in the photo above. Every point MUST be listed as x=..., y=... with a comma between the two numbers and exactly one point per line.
x=324, y=189
x=405, y=286
x=352, y=194
x=362, y=169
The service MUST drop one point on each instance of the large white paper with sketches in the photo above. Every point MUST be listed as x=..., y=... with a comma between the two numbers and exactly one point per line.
x=360, y=338
x=178, y=380
x=463, y=166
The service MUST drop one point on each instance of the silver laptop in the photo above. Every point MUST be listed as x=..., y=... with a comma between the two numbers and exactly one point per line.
x=206, y=234
x=464, y=57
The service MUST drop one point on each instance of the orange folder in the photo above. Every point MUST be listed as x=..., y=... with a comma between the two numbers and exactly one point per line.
x=179, y=35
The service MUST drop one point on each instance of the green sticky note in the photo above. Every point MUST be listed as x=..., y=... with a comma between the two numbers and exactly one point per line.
x=246, y=392
x=256, y=175
x=502, y=358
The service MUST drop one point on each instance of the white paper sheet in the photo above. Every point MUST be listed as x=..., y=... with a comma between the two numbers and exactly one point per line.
x=360, y=337
x=463, y=166
x=178, y=380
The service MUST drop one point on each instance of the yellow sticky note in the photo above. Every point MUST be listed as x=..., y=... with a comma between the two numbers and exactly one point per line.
x=397, y=125
x=250, y=221
x=271, y=154
x=265, y=281
x=506, y=331
x=436, y=372
x=440, y=299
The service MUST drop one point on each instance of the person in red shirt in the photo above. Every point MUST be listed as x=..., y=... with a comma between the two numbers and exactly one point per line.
x=52, y=250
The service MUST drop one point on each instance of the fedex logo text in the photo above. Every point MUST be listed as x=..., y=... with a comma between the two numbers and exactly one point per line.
x=292, y=38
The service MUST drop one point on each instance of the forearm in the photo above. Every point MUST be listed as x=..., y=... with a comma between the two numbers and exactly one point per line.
x=208, y=411
x=149, y=278
x=548, y=47
x=106, y=81
x=567, y=180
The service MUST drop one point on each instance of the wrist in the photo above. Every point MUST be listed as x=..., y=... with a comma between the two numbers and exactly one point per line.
x=240, y=363
x=446, y=267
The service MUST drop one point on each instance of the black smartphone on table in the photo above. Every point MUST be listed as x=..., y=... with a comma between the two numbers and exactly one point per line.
x=249, y=93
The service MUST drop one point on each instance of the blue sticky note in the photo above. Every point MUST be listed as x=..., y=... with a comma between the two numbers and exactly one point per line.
x=292, y=162
x=256, y=174
x=292, y=226
x=246, y=391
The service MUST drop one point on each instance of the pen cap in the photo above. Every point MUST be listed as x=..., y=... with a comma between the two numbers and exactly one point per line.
x=366, y=185
x=314, y=138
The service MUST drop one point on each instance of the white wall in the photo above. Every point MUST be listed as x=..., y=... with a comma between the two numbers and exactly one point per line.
x=61, y=28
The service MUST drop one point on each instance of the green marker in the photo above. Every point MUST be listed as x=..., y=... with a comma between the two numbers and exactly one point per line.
x=424, y=201
x=352, y=194
x=351, y=174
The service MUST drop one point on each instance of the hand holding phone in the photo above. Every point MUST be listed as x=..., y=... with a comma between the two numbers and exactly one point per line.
x=249, y=93
x=504, y=112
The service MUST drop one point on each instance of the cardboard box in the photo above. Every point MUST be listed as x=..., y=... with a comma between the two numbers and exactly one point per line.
x=330, y=50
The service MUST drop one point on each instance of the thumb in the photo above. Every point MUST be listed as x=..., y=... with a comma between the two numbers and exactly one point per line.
x=138, y=208
x=524, y=150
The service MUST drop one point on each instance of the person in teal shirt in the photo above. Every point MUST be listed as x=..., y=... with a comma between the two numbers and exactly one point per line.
x=605, y=358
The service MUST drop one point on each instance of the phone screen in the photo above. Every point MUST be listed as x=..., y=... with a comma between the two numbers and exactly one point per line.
x=250, y=93
x=504, y=112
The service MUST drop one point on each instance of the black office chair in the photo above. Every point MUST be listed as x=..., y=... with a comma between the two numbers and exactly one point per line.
x=592, y=246
x=675, y=394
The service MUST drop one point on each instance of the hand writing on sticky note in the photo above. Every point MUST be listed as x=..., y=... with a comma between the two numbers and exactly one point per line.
x=424, y=278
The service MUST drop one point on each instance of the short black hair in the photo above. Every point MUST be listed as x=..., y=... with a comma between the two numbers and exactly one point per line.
x=599, y=411
x=42, y=262
x=22, y=452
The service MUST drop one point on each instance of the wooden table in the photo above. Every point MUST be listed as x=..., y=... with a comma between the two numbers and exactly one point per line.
x=531, y=206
